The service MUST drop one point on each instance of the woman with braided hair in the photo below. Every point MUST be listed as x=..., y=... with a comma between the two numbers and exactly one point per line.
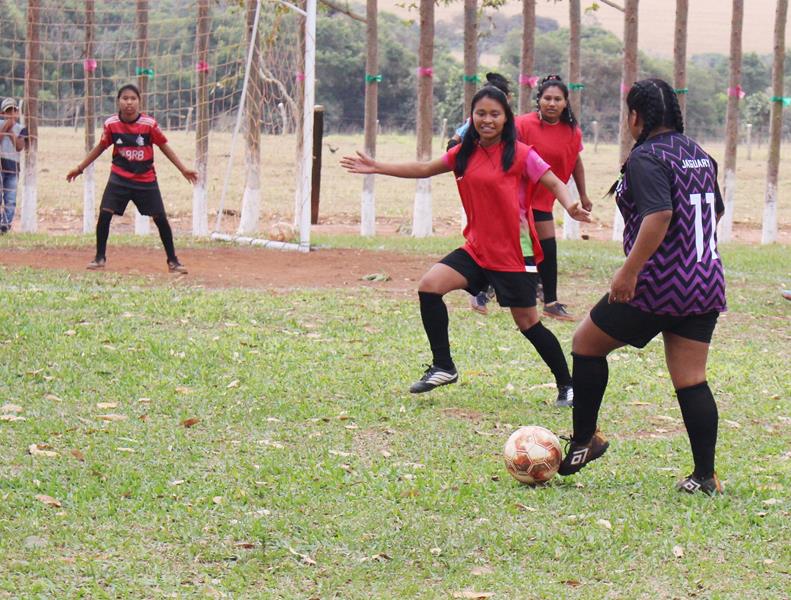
x=670, y=283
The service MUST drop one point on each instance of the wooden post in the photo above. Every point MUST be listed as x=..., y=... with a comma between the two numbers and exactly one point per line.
x=29, y=216
x=527, y=57
x=368, y=201
x=749, y=134
x=680, y=55
x=142, y=224
x=422, y=213
x=470, y=52
x=200, y=193
x=769, y=229
x=281, y=108
x=595, y=127
x=315, y=185
x=732, y=121
x=251, y=201
x=89, y=67
x=299, y=91
x=575, y=74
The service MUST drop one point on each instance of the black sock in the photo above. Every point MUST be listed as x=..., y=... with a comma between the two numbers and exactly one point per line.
x=102, y=233
x=548, y=348
x=699, y=411
x=589, y=376
x=166, y=235
x=548, y=270
x=435, y=321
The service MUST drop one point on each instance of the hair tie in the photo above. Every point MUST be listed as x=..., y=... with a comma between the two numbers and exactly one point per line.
x=737, y=92
x=786, y=100
x=147, y=71
x=576, y=86
x=681, y=91
x=202, y=66
x=471, y=78
x=373, y=78
x=425, y=72
x=90, y=64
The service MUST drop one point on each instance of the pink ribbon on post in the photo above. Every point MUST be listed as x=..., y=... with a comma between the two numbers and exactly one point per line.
x=202, y=66
x=529, y=80
x=625, y=88
x=425, y=72
x=90, y=64
x=737, y=92
x=300, y=76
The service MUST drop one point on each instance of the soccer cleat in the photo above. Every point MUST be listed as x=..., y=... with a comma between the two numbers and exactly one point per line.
x=558, y=311
x=478, y=303
x=578, y=455
x=565, y=397
x=434, y=377
x=692, y=484
x=97, y=263
x=174, y=266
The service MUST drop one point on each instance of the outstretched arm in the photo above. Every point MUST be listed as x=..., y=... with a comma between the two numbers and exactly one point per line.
x=561, y=192
x=579, y=178
x=85, y=162
x=362, y=164
x=189, y=174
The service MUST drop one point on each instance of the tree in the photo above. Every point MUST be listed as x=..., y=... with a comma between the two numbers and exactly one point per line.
x=680, y=55
x=200, y=204
x=527, y=57
x=421, y=217
x=470, y=51
x=769, y=230
x=368, y=202
x=732, y=119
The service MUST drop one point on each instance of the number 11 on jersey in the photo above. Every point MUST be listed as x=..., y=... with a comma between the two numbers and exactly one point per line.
x=695, y=200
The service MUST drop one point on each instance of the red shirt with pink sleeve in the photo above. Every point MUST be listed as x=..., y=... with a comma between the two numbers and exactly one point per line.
x=495, y=205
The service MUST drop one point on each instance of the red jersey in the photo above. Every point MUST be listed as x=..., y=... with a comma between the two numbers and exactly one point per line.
x=133, y=150
x=492, y=201
x=559, y=144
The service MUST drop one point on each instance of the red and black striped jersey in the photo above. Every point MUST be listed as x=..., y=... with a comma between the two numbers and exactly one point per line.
x=133, y=146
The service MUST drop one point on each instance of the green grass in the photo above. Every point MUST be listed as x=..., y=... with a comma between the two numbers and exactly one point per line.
x=312, y=474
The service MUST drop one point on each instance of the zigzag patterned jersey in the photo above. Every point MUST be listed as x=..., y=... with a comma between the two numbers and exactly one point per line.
x=685, y=274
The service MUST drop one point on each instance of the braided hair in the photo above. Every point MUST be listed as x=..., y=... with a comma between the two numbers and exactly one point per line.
x=471, y=137
x=655, y=101
x=567, y=116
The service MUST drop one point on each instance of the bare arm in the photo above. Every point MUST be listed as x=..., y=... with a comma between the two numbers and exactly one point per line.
x=95, y=152
x=649, y=237
x=189, y=174
x=362, y=164
x=550, y=181
x=579, y=178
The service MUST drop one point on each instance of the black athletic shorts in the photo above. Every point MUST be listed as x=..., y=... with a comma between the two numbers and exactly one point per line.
x=542, y=215
x=146, y=197
x=517, y=289
x=636, y=327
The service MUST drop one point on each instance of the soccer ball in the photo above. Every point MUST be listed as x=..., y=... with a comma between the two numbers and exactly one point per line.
x=282, y=232
x=532, y=454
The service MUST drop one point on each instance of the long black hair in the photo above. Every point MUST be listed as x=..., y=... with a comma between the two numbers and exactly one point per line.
x=656, y=103
x=471, y=137
x=567, y=116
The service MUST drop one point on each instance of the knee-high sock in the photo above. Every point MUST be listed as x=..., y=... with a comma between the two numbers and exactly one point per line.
x=102, y=233
x=548, y=348
x=699, y=411
x=166, y=235
x=435, y=321
x=548, y=270
x=589, y=378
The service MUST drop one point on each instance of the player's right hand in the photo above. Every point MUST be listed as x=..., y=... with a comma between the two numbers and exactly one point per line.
x=362, y=164
x=73, y=174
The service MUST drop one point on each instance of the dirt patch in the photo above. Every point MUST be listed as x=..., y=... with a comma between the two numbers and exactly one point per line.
x=241, y=267
x=463, y=413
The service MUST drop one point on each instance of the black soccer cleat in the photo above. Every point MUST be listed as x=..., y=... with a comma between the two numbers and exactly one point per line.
x=97, y=263
x=578, y=455
x=693, y=484
x=565, y=397
x=174, y=266
x=432, y=378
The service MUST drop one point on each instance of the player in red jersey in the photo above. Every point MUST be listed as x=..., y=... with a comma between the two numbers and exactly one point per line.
x=491, y=169
x=132, y=135
x=553, y=131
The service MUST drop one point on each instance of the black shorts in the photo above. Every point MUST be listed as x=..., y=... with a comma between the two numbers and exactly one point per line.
x=542, y=215
x=517, y=289
x=146, y=197
x=635, y=327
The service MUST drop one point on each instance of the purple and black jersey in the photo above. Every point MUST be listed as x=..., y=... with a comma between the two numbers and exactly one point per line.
x=684, y=276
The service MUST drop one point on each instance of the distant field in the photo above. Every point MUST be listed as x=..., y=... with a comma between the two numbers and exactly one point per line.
x=60, y=204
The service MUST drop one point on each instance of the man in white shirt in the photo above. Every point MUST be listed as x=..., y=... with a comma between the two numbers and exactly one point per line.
x=12, y=141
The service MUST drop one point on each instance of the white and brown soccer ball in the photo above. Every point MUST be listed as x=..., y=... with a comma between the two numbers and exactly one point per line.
x=282, y=232
x=532, y=454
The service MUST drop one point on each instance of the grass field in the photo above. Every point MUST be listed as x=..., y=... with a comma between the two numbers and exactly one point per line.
x=61, y=205
x=252, y=444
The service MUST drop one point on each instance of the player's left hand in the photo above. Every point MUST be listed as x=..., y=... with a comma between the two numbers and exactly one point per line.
x=622, y=286
x=190, y=175
x=586, y=203
x=362, y=164
x=578, y=213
